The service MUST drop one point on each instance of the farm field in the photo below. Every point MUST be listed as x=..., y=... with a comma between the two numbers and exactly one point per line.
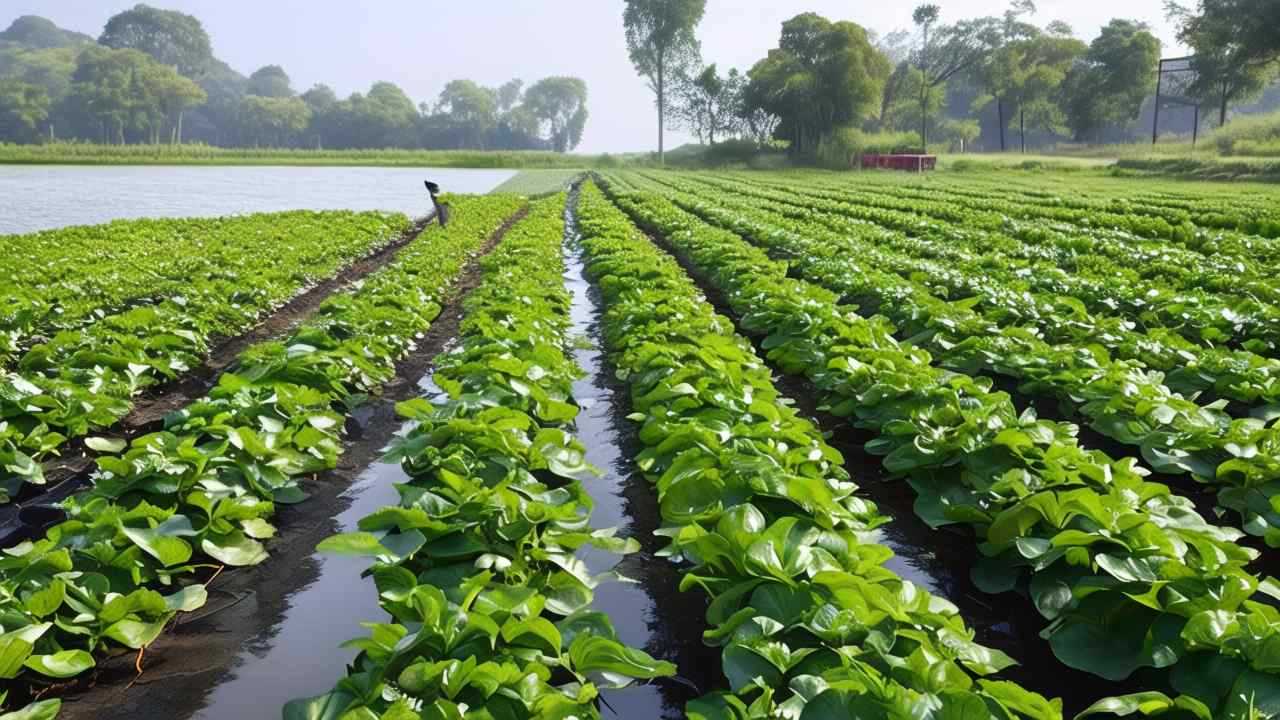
x=718, y=445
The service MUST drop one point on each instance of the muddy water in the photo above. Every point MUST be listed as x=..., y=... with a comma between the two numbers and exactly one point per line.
x=649, y=613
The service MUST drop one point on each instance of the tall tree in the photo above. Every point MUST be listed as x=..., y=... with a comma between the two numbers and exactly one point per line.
x=470, y=107
x=1236, y=45
x=822, y=75
x=509, y=94
x=270, y=81
x=323, y=102
x=946, y=51
x=272, y=121
x=37, y=33
x=561, y=103
x=172, y=95
x=24, y=108
x=661, y=42
x=708, y=103
x=1025, y=74
x=1115, y=77
x=171, y=37
x=108, y=85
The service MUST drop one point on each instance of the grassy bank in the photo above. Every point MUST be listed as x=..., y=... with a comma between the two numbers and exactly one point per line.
x=538, y=182
x=89, y=154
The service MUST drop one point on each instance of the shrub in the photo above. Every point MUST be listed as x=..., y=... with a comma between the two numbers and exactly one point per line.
x=1250, y=135
x=842, y=148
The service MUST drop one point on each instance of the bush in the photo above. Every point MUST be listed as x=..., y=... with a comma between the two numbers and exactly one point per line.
x=841, y=149
x=1250, y=135
x=731, y=152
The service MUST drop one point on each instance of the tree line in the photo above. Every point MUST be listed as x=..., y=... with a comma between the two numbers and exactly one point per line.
x=992, y=80
x=152, y=77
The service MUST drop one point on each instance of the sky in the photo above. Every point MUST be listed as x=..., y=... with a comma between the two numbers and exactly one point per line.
x=422, y=44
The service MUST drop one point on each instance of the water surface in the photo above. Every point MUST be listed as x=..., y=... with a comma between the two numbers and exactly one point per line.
x=41, y=197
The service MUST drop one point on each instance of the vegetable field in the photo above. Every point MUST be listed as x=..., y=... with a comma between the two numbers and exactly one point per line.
x=966, y=446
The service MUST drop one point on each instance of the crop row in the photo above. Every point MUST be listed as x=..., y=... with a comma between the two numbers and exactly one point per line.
x=1207, y=308
x=1128, y=575
x=1252, y=216
x=1159, y=259
x=1121, y=399
x=998, y=291
x=84, y=378
x=489, y=608
x=1232, y=234
x=65, y=279
x=178, y=503
x=765, y=520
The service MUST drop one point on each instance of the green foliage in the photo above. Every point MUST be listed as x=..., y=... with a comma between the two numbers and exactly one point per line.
x=821, y=76
x=1235, y=47
x=97, y=315
x=662, y=46
x=489, y=607
x=1257, y=135
x=1117, y=74
x=561, y=103
x=810, y=622
x=844, y=147
x=171, y=38
x=270, y=81
x=1126, y=571
x=172, y=504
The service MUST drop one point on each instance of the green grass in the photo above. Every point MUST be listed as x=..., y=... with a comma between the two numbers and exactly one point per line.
x=538, y=182
x=90, y=154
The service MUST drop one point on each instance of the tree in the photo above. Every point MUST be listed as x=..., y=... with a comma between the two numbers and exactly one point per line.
x=821, y=76
x=946, y=51
x=172, y=94
x=1115, y=77
x=661, y=43
x=23, y=109
x=708, y=103
x=470, y=107
x=384, y=117
x=509, y=94
x=270, y=81
x=1236, y=45
x=1026, y=73
x=37, y=33
x=272, y=120
x=323, y=102
x=171, y=37
x=561, y=103
x=108, y=85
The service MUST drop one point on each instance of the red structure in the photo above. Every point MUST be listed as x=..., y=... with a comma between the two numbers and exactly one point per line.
x=911, y=162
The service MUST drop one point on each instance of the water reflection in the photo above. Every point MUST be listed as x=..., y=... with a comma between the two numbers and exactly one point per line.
x=650, y=613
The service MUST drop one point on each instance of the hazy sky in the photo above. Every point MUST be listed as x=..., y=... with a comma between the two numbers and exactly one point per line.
x=422, y=44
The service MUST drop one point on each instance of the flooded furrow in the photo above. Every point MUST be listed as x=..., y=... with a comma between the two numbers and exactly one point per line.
x=649, y=613
x=301, y=656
